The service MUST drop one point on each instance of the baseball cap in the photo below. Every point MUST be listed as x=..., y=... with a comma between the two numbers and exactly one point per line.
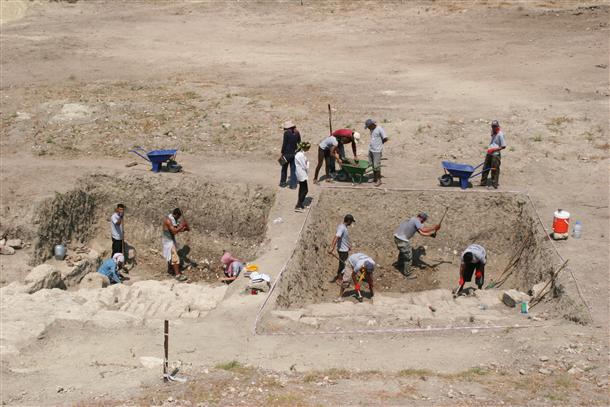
x=356, y=137
x=494, y=123
x=119, y=258
x=349, y=218
x=423, y=215
x=368, y=122
x=369, y=266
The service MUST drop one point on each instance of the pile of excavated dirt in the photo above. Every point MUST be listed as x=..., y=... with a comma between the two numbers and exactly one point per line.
x=503, y=223
x=222, y=217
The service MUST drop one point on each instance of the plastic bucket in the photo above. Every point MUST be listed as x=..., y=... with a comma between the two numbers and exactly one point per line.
x=561, y=222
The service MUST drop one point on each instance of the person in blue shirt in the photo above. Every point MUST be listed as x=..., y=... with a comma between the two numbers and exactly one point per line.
x=110, y=268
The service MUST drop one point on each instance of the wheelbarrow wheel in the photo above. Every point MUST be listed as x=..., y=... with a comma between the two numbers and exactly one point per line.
x=446, y=180
x=342, y=176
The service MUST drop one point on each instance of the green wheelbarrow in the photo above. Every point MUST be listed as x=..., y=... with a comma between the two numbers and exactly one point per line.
x=356, y=171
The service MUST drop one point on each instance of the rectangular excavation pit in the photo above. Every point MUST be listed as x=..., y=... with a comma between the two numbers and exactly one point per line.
x=221, y=216
x=506, y=224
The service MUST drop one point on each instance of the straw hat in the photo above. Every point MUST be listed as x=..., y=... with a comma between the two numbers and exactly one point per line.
x=289, y=124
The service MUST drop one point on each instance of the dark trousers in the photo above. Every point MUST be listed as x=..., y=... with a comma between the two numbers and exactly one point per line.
x=492, y=163
x=341, y=150
x=284, y=174
x=302, y=194
x=117, y=247
x=479, y=273
x=342, y=258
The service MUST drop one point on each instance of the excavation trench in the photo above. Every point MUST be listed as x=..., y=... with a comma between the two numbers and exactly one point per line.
x=222, y=217
x=518, y=250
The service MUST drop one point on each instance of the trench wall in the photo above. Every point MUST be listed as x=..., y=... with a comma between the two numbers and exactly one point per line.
x=231, y=217
x=504, y=224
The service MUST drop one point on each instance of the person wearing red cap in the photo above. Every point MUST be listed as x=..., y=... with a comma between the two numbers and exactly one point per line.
x=345, y=136
x=493, y=157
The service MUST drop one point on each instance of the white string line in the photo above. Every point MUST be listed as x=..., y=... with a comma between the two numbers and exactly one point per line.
x=406, y=330
x=582, y=298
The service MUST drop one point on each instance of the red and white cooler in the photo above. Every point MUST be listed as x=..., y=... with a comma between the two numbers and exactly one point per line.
x=561, y=224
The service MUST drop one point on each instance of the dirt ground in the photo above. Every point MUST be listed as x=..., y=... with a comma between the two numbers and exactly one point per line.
x=84, y=82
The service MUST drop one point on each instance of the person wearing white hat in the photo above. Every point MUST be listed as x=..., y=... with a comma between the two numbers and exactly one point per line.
x=110, y=268
x=292, y=138
x=345, y=136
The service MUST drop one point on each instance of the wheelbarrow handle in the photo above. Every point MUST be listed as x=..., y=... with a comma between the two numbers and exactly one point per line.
x=135, y=151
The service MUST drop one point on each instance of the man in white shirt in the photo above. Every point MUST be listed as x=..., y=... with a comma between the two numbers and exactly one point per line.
x=116, y=229
x=378, y=139
x=343, y=243
x=327, y=148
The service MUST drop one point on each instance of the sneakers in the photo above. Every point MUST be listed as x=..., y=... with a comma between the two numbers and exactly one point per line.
x=181, y=277
x=297, y=209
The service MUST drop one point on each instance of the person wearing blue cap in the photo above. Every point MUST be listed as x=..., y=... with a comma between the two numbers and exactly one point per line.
x=378, y=139
x=402, y=237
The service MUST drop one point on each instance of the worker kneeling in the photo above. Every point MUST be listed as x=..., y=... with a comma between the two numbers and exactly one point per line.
x=359, y=267
x=473, y=262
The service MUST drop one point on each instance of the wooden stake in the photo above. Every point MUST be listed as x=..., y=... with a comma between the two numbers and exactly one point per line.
x=166, y=349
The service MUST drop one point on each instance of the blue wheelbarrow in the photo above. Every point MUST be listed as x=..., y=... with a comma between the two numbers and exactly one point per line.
x=158, y=157
x=463, y=172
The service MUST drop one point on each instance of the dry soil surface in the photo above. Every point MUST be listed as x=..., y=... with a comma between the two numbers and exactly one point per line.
x=83, y=82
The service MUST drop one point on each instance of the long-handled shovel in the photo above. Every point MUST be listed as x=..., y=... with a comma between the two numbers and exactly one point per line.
x=442, y=218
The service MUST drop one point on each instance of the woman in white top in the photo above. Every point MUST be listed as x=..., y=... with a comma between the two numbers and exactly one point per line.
x=302, y=167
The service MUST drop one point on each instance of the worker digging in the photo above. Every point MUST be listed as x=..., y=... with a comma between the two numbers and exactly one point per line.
x=111, y=267
x=359, y=267
x=473, y=261
x=326, y=149
x=345, y=136
x=171, y=227
x=402, y=237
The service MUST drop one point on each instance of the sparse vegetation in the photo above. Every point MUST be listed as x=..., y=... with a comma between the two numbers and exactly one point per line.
x=556, y=124
x=415, y=372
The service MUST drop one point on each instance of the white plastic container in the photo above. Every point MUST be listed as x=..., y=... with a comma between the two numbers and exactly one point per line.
x=577, y=231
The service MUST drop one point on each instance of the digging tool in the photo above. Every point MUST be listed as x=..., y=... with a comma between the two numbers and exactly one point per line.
x=357, y=285
x=334, y=255
x=442, y=218
x=330, y=120
x=169, y=376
